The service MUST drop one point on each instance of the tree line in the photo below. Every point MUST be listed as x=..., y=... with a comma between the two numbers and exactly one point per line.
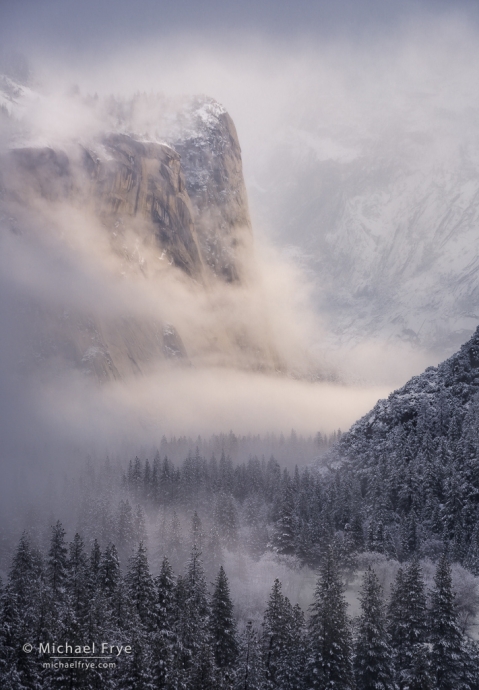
x=183, y=635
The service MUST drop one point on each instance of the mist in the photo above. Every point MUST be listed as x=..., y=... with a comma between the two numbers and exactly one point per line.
x=333, y=98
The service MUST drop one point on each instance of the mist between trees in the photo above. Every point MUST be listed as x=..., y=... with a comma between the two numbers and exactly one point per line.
x=181, y=635
x=88, y=497
x=260, y=523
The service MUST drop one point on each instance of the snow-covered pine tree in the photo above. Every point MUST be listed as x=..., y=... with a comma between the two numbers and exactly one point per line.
x=139, y=525
x=193, y=613
x=290, y=672
x=10, y=642
x=471, y=663
x=329, y=636
x=197, y=534
x=163, y=639
x=174, y=546
x=273, y=638
x=204, y=674
x=226, y=519
x=287, y=527
x=249, y=667
x=373, y=663
x=141, y=590
x=57, y=570
x=282, y=642
x=126, y=536
x=19, y=619
x=447, y=651
x=223, y=626
x=407, y=619
x=135, y=671
x=78, y=586
x=109, y=571
x=420, y=676
x=95, y=561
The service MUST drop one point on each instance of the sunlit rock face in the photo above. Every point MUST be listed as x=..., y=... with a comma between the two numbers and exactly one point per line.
x=132, y=178
x=159, y=186
x=191, y=190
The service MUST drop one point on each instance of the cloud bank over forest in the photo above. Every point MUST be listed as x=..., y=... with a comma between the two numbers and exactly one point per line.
x=410, y=70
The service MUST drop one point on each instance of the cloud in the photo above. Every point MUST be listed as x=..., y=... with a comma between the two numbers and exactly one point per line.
x=278, y=90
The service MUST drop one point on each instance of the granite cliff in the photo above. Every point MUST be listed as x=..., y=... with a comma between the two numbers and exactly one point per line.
x=170, y=198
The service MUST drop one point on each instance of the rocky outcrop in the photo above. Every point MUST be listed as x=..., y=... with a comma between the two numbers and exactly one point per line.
x=174, y=196
x=133, y=178
x=190, y=191
x=211, y=161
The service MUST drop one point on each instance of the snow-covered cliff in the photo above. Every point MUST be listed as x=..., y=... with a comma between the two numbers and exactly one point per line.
x=386, y=219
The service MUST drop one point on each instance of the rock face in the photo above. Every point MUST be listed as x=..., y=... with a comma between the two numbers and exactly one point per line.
x=131, y=178
x=211, y=161
x=191, y=192
x=176, y=196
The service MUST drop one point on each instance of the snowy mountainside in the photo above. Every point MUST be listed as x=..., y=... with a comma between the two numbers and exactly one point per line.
x=387, y=222
x=414, y=459
x=426, y=405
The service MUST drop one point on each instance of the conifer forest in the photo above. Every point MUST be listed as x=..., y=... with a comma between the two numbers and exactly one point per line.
x=392, y=504
x=239, y=345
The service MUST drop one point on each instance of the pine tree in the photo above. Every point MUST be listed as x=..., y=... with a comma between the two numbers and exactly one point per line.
x=139, y=526
x=95, y=561
x=136, y=671
x=249, y=668
x=472, y=559
x=174, y=545
x=197, y=534
x=78, y=585
x=226, y=520
x=140, y=586
x=125, y=529
x=193, y=614
x=290, y=668
x=122, y=611
x=203, y=675
x=10, y=642
x=273, y=640
x=73, y=625
x=109, y=571
x=163, y=642
x=19, y=619
x=471, y=663
x=329, y=653
x=447, y=645
x=407, y=619
x=286, y=527
x=57, y=569
x=373, y=655
x=283, y=642
x=223, y=625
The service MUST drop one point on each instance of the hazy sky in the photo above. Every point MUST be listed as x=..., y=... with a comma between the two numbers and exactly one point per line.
x=72, y=26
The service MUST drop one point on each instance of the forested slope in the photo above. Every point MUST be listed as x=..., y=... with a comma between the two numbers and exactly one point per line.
x=416, y=458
